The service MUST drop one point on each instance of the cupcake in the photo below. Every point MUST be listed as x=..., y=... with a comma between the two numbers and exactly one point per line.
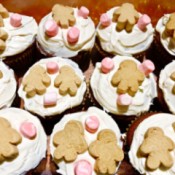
x=23, y=141
x=66, y=32
x=17, y=39
x=51, y=86
x=124, y=31
x=86, y=142
x=151, y=144
x=8, y=86
x=123, y=86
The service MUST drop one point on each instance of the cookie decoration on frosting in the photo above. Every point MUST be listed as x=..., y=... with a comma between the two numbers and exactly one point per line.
x=126, y=17
x=9, y=139
x=36, y=81
x=3, y=14
x=106, y=151
x=3, y=38
x=70, y=141
x=67, y=81
x=156, y=148
x=127, y=78
x=170, y=26
x=172, y=77
x=63, y=15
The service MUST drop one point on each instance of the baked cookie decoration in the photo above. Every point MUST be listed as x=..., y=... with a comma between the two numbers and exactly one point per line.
x=170, y=26
x=3, y=14
x=156, y=147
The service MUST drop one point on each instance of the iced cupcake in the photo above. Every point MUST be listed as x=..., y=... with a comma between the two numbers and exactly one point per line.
x=87, y=142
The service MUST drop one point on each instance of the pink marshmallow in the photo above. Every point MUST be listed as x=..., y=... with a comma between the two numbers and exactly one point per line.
x=124, y=100
x=83, y=167
x=52, y=67
x=73, y=35
x=51, y=28
x=105, y=20
x=107, y=65
x=92, y=124
x=147, y=67
x=83, y=12
x=50, y=99
x=15, y=20
x=143, y=21
x=28, y=130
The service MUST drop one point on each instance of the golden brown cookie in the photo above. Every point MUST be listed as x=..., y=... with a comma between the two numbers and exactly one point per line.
x=126, y=17
x=9, y=139
x=172, y=76
x=36, y=81
x=63, y=15
x=106, y=152
x=156, y=148
x=3, y=14
x=127, y=78
x=67, y=81
x=70, y=141
x=3, y=38
x=170, y=26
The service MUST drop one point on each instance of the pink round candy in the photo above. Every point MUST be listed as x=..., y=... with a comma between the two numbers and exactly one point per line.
x=51, y=28
x=15, y=20
x=28, y=130
x=73, y=35
x=92, y=124
x=83, y=12
x=105, y=20
x=107, y=65
x=52, y=67
x=83, y=167
x=124, y=100
x=143, y=21
x=50, y=99
x=147, y=67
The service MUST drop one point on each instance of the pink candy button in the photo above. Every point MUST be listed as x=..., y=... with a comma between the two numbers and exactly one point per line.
x=107, y=65
x=124, y=100
x=52, y=67
x=143, y=21
x=15, y=20
x=73, y=35
x=147, y=67
x=83, y=12
x=50, y=99
x=51, y=28
x=28, y=130
x=83, y=167
x=105, y=20
x=92, y=124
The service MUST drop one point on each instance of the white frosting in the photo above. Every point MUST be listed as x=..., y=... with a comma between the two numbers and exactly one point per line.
x=106, y=94
x=30, y=151
x=166, y=41
x=122, y=42
x=163, y=121
x=59, y=46
x=106, y=122
x=36, y=105
x=166, y=84
x=19, y=38
x=8, y=86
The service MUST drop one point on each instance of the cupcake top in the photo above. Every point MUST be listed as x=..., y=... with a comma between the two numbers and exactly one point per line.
x=154, y=134
x=167, y=85
x=8, y=86
x=165, y=28
x=23, y=137
x=124, y=86
x=123, y=30
x=51, y=86
x=14, y=30
x=66, y=31
x=99, y=137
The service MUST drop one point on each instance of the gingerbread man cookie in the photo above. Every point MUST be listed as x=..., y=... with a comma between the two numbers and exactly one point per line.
x=172, y=76
x=70, y=141
x=3, y=38
x=36, y=81
x=9, y=139
x=3, y=14
x=156, y=148
x=127, y=78
x=67, y=81
x=63, y=15
x=170, y=26
x=106, y=152
x=126, y=17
